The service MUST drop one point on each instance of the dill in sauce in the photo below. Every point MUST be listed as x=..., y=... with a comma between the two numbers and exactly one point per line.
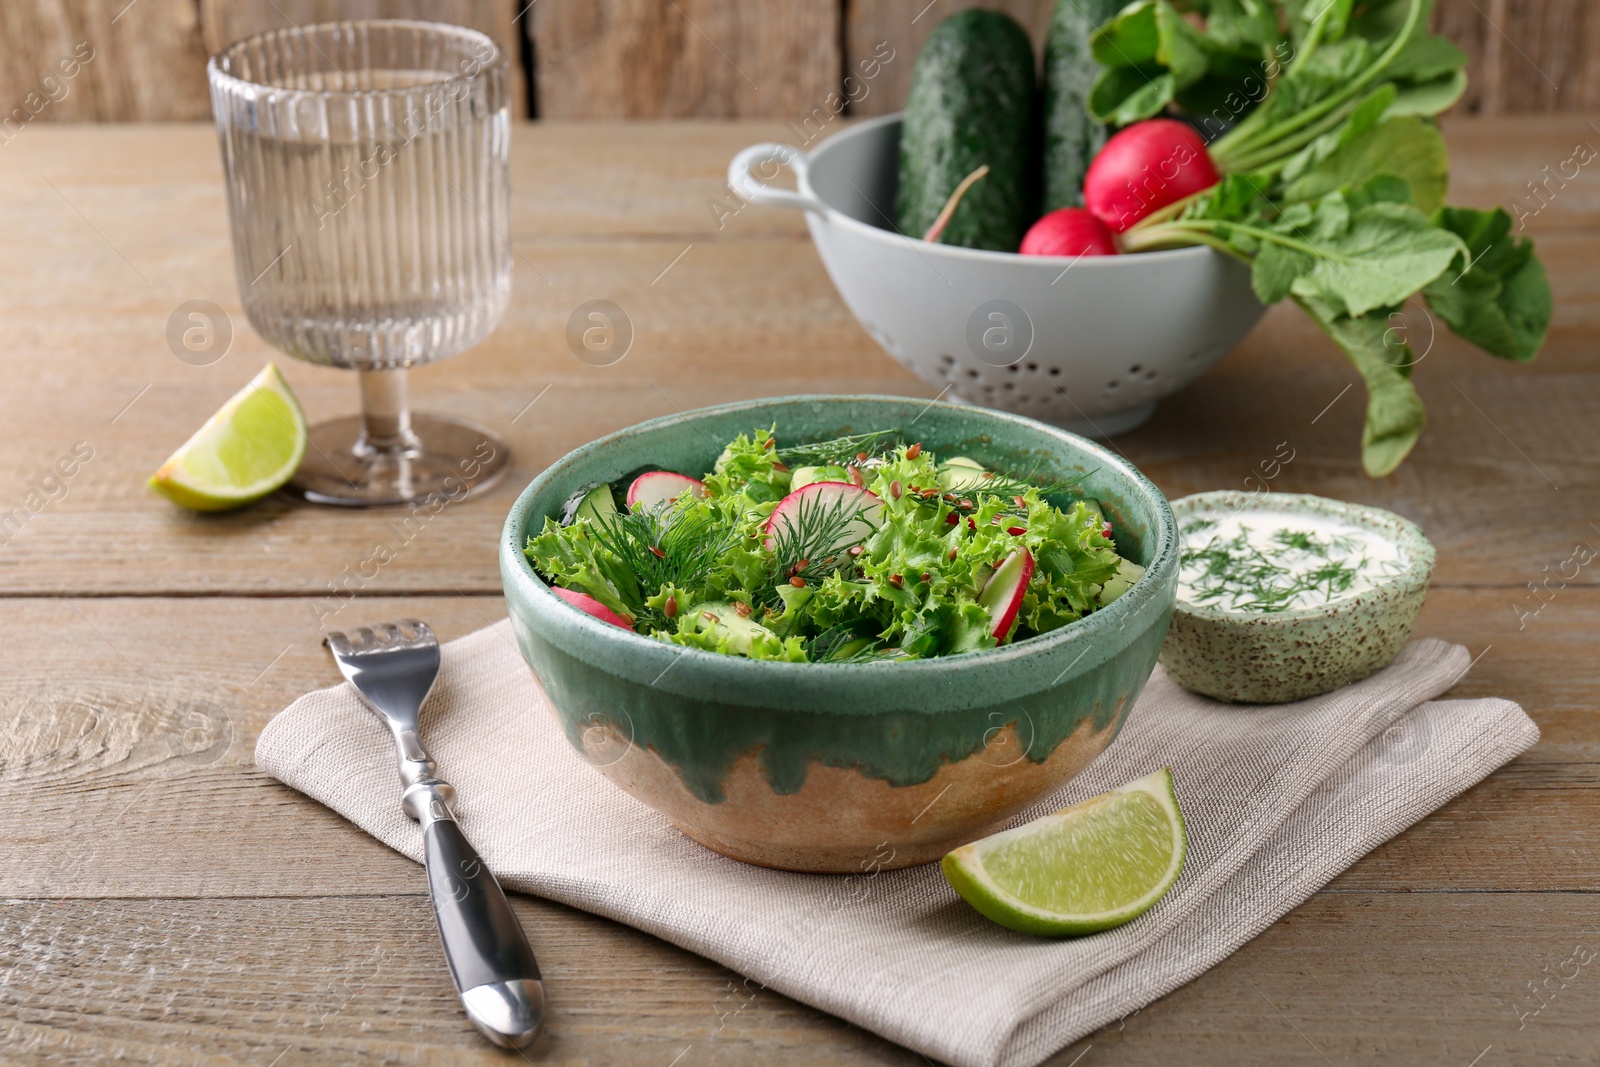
x=1272, y=561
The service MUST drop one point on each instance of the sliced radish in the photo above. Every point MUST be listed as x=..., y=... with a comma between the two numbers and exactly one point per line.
x=662, y=487
x=1002, y=594
x=819, y=502
x=590, y=606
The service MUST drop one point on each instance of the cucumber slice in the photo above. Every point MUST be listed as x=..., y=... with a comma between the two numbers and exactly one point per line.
x=960, y=474
x=804, y=476
x=593, y=502
x=723, y=619
x=1128, y=572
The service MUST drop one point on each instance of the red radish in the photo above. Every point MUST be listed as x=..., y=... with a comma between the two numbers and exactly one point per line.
x=1069, y=231
x=660, y=487
x=590, y=606
x=819, y=502
x=1002, y=594
x=1145, y=167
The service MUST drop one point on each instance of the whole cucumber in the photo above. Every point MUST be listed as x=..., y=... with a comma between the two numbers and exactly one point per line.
x=1072, y=136
x=971, y=103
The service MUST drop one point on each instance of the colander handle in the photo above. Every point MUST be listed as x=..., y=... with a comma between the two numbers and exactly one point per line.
x=743, y=179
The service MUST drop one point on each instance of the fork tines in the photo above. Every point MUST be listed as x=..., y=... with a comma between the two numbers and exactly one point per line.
x=382, y=637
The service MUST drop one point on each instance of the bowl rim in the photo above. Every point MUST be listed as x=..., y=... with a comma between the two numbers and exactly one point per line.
x=1396, y=528
x=1113, y=618
x=980, y=255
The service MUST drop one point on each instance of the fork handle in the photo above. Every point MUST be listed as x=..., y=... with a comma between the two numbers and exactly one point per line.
x=489, y=956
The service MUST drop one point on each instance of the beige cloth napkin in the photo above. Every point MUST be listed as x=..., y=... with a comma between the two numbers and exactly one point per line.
x=1277, y=801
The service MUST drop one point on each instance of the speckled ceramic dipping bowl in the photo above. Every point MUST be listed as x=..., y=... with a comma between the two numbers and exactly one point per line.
x=845, y=767
x=1251, y=658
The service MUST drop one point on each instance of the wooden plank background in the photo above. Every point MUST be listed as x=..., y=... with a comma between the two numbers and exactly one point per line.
x=780, y=59
x=164, y=903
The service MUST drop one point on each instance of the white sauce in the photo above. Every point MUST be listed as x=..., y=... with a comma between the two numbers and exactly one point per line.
x=1263, y=561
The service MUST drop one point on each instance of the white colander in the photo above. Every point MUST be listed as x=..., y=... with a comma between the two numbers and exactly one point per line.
x=1089, y=344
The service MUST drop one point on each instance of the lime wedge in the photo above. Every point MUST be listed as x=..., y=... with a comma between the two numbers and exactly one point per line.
x=1093, y=866
x=250, y=447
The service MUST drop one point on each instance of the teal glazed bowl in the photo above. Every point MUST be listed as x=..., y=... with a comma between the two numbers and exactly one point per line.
x=845, y=767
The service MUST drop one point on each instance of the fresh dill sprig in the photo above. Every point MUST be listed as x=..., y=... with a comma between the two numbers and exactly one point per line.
x=1005, y=484
x=1007, y=487
x=669, y=544
x=839, y=451
x=817, y=536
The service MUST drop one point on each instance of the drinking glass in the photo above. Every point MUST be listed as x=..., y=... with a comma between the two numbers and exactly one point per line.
x=369, y=194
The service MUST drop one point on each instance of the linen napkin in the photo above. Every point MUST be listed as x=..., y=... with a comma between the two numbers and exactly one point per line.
x=1277, y=800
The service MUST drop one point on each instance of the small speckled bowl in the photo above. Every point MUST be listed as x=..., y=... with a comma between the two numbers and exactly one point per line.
x=1253, y=658
x=845, y=766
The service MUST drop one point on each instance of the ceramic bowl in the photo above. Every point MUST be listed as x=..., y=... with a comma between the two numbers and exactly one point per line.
x=845, y=767
x=1251, y=658
x=1088, y=343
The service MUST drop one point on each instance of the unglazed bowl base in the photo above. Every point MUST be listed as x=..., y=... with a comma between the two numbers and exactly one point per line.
x=843, y=822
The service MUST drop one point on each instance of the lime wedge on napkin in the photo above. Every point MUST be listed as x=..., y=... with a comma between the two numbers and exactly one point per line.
x=1093, y=866
x=250, y=447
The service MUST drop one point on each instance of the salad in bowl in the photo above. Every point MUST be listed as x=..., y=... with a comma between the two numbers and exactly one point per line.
x=765, y=637
x=859, y=548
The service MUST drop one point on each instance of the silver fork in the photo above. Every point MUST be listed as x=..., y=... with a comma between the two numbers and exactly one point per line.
x=394, y=667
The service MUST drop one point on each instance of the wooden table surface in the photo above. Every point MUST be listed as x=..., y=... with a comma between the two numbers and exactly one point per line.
x=165, y=902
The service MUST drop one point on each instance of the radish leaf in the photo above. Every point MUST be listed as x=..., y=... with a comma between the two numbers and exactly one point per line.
x=1395, y=416
x=1274, y=270
x=1389, y=252
x=1429, y=97
x=1406, y=147
x=1496, y=294
x=1333, y=179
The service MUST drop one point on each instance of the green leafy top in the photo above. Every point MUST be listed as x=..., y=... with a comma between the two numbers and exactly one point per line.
x=1334, y=178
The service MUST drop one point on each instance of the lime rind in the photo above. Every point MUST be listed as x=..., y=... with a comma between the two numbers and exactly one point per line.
x=964, y=868
x=234, y=431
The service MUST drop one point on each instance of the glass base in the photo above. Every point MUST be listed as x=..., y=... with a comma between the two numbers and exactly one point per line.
x=449, y=460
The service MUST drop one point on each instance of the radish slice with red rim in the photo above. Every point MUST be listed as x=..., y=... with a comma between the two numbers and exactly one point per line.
x=821, y=519
x=590, y=606
x=662, y=487
x=1002, y=594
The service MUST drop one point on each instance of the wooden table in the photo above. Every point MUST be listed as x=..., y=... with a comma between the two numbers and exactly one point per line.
x=167, y=903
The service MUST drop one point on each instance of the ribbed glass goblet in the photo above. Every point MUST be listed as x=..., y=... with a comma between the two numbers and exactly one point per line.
x=369, y=193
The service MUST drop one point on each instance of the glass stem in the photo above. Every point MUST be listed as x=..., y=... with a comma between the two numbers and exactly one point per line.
x=385, y=415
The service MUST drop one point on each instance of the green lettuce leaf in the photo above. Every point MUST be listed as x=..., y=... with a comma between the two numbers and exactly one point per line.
x=750, y=466
x=761, y=646
x=569, y=556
